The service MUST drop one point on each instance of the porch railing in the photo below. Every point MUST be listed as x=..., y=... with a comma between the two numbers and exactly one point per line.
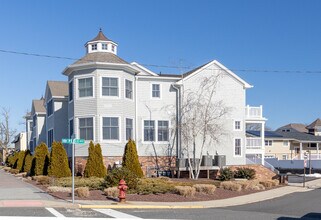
x=253, y=143
x=253, y=112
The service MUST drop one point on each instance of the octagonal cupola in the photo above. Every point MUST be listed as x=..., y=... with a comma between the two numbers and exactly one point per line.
x=101, y=44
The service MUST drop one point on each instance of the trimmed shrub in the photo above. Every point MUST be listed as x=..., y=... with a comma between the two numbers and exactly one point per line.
x=27, y=162
x=20, y=161
x=42, y=180
x=41, y=160
x=205, y=188
x=92, y=182
x=112, y=192
x=12, y=160
x=82, y=192
x=130, y=159
x=95, y=164
x=59, y=189
x=114, y=176
x=58, y=161
x=269, y=183
x=154, y=186
x=246, y=173
x=14, y=171
x=7, y=169
x=226, y=174
x=229, y=185
x=186, y=191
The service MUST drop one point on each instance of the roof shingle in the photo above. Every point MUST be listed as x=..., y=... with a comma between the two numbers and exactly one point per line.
x=58, y=88
x=104, y=57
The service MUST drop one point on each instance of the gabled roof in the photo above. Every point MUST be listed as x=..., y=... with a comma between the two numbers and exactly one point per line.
x=293, y=127
x=316, y=123
x=100, y=57
x=58, y=88
x=220, y=66
x=100, y=36
x=39, y=106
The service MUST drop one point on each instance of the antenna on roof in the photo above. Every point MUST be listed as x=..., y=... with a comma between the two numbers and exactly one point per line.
x=100, y=29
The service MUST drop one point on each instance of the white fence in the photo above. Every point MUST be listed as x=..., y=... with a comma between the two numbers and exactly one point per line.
x=293, y=164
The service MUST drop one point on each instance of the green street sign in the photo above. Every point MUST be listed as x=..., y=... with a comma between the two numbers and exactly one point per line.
x=66, y=141
x=79, y=141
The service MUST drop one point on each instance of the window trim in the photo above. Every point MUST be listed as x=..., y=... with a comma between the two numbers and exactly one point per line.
x=101, y=87
x=73, y=90
x=53, y=137
x=133, y=129
x=241, y=155
x=132, y=99
x=78, y=129
x=52, y=108
x=160, y=91
x=241, y=125
x=72, y=118
x=143, y=130
x=77, y=86
x=102, y=140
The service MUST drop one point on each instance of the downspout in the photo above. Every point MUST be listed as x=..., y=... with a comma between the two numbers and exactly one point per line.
x=178, y=121
x=136, y=117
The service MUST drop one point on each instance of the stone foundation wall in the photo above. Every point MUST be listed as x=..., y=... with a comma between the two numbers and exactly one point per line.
x=148, y=164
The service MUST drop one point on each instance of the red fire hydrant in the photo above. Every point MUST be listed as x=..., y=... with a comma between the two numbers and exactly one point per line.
x=122, y=190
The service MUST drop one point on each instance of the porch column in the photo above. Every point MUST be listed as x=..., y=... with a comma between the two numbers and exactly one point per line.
x=318, y=151
x=262, y=142
x=301, y=153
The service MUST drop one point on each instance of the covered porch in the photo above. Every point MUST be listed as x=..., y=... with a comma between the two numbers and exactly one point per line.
x=299, y=148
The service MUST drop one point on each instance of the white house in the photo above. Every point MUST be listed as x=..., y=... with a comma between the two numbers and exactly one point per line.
x=111, y=100
x=38, y=133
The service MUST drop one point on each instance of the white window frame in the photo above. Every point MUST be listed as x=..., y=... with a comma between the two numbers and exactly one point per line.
x=102, y=46
x=241, y=146
x=234, y=125
x=286, y=144
x=119, y=127
x=155, y=131
x=77, y=132
x=94, y=47
x=101, y=87
x=132, y=99
x=77, y=86
x=125, y=126
x=73, y=90
x=160, y=91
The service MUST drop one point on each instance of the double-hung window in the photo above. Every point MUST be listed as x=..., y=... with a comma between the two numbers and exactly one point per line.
x=50, y=138
x=71, y=90
x=129, y=128
x=71, y=127
x=86, y=128
x=237, y=147
x=237, y=125
x=128, y=89
x=109, y=86
x=149, y=130
x=85, y=87
x=49, y=108
x=163, y=132
x=155, y=90
x=110, y=128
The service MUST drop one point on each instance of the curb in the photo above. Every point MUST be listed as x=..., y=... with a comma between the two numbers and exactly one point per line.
x=116, y=206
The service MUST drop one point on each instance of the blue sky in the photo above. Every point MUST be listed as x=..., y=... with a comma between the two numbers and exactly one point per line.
x=253, y=35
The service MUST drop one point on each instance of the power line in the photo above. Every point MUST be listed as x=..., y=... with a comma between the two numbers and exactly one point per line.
x=167, y=66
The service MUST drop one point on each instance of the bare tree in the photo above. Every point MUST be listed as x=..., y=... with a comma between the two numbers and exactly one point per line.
x=201, y=120
x=6, y=132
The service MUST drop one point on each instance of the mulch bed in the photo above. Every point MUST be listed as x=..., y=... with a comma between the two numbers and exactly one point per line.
x=168, y=197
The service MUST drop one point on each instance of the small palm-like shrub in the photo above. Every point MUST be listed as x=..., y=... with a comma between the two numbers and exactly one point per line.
x=226, y=174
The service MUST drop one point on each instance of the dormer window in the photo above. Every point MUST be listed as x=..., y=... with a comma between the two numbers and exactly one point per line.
x=94, y=47
x=104, y=46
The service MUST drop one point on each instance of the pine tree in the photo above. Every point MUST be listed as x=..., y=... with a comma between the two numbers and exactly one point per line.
x=41, y=158
x=130, y=159
x=95, y=164
x=58, y=161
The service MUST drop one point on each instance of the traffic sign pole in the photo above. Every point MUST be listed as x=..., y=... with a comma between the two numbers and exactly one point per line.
x=73, y=172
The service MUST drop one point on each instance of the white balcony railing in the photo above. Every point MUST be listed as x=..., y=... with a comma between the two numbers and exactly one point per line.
x=253, y=112
x=253, y=143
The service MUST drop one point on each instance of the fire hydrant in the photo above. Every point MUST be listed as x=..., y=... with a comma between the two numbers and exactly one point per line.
x=122, y=190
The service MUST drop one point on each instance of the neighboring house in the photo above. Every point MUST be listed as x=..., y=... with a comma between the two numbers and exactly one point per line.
x=20, y=141
x=38, y=113
x=56, y=102
x=111, y=100
x=29, y=128
x=292, y=141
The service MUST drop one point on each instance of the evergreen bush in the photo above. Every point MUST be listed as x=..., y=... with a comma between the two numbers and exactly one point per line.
x=12, y=160
x=226, y=174
x=27, y=162
x=41, y=160
x=130, y=159
x=113, y=177
x=58, y=161
x=95, y=164
x=20, y=161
